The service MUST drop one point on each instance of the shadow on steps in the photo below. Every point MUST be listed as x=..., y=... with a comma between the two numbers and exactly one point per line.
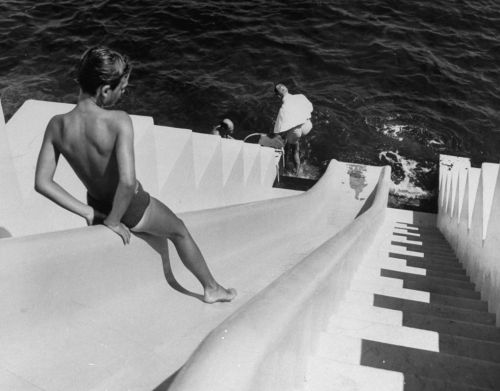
x=469, y=343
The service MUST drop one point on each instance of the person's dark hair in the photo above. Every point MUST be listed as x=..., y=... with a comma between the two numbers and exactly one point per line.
x=280, y=89
x=101, y=66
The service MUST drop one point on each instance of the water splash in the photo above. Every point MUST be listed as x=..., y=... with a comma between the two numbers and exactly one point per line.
x=406, y=176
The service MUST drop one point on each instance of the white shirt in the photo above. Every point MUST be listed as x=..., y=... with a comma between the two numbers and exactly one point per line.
x=295, y=110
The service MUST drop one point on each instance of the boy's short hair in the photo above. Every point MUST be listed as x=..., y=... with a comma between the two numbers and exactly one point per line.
x=99, y=66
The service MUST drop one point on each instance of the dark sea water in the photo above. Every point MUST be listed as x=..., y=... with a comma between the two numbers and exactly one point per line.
x=392, y=82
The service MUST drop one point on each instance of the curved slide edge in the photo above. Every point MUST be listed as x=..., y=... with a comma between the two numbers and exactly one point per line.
x=264, y=345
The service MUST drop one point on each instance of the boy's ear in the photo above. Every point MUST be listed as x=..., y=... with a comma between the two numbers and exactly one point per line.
x=105, y=89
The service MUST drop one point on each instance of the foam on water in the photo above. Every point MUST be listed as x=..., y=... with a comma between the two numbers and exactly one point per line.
x=406, y=178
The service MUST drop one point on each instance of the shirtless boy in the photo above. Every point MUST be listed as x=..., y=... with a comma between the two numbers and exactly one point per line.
x=99, y=145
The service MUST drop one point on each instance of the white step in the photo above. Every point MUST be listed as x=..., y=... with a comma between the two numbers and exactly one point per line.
x=252, y=166
x=210, y=191
x=402, y=293
x=179, y=188
x=329, y=375
x=409, y=232
x=206, y=147
x=374, y=269
x=268, y=166
x=146, y=167
x=170, y=144
x=403, y=251
x=402, y=239
x=232, y=160
x=361, y=280
x=355, y=310
x=388, y=261
x=396, y=335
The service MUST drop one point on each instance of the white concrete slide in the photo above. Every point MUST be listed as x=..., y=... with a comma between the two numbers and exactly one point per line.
x=266, y=343
x=83, y=312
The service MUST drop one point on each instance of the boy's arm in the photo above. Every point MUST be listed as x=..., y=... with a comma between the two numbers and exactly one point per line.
x=44, y=176
x=126, y=172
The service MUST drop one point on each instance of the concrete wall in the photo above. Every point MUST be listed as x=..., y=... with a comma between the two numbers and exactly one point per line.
x=266, y=343
x=469, y=217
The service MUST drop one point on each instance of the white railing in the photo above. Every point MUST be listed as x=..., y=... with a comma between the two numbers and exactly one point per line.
x=469, y=217
x=265, y=345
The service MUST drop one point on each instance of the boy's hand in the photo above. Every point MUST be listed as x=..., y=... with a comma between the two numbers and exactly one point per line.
x=94, y=217
x=120, y=229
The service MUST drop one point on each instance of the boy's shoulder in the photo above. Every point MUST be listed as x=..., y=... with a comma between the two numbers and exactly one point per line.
x=118, y=115
x=120, y=120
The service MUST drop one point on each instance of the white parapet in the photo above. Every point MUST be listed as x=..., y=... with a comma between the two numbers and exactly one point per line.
x=471, y=223
x=464, y=224
x=488, y=277
x=451, y=169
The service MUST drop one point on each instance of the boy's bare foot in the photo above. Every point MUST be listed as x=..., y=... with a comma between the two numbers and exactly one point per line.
x=219, y=294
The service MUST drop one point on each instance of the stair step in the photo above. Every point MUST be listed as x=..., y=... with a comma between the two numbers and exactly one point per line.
x=375, y=270
x=463, y=370
x=452, y=326
x=460, y=302
x=427, y=259
x=400, y=335
x=432, y=230
x=429, y=286
x=367, y=312
x=417, y=237
x=447, y=275
x=443, y=250
x=423, y=383
x=393, y=264
x=469, y=347
x=436, y=310
x=436, y=280
x=436, y=266
x=362, y=280
x=334, y=375
x=424, y=233
x=401, y=293
x=345, y=348
x=442, y=257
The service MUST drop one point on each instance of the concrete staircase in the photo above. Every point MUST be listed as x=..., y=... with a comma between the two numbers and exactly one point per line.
x=412, y=321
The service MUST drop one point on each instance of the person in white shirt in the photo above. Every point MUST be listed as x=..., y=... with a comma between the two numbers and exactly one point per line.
x=293, y=121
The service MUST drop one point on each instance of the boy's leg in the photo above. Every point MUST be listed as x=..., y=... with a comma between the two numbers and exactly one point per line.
x=159, y=220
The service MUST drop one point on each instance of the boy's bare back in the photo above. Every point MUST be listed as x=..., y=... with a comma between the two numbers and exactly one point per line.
x=87, y=137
